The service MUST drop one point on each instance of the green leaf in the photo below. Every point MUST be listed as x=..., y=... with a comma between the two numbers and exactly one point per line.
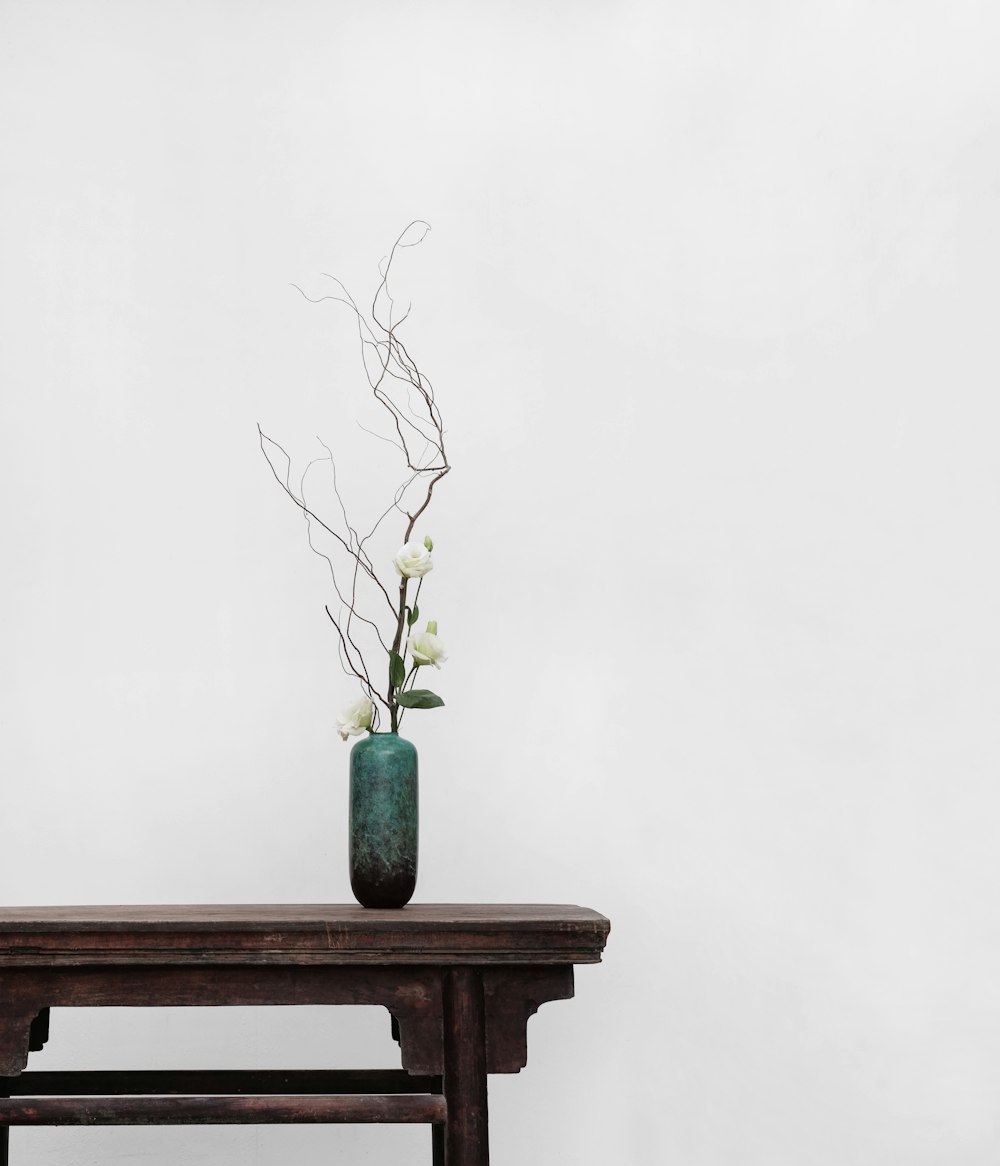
x=419, y=698
x=397, y=670
x=411, y=619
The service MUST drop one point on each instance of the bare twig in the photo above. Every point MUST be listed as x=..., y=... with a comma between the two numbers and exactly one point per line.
x=315, y=517
x=415, y=424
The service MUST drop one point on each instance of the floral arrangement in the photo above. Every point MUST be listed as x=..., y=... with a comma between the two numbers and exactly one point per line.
x=415, y=428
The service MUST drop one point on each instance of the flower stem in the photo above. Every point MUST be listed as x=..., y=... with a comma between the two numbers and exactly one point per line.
x=400, y=621
x=407, y=683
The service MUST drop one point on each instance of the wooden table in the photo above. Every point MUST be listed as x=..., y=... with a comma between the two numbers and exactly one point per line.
x=459, y=981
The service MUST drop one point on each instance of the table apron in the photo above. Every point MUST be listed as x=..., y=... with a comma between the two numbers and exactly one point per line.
x=414, y=996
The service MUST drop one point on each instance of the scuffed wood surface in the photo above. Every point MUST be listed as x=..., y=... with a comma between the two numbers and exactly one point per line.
x=437, y=934
x=127, y=1111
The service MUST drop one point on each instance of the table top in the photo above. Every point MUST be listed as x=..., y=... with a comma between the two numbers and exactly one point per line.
x=430, y=933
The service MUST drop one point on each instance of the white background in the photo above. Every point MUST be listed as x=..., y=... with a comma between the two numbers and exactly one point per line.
x=710, y=305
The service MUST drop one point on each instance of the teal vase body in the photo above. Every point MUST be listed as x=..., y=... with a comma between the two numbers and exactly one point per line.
x=383, y=821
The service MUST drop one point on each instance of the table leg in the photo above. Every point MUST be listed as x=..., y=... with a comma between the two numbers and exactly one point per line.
x=438, y=1132
x=467, y=1133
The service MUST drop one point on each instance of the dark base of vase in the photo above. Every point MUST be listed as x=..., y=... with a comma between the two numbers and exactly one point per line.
x=394, y=893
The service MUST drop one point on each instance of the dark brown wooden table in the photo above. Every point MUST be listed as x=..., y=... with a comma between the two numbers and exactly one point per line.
x=458, y=980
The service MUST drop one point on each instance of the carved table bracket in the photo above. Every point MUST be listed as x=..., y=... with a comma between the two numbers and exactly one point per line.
x=15, y=1041
x=511, y=996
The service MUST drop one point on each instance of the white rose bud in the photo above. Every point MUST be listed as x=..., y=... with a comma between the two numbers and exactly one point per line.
x=426, y=648
x=355, y=719
x=412, y=560
x=428, y=542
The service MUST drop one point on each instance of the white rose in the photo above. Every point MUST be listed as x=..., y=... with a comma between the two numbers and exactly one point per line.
x=426, y=648
x=354, y=719
x=413, y=560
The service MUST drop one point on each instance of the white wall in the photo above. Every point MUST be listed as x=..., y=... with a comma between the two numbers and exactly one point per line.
x=710, y=304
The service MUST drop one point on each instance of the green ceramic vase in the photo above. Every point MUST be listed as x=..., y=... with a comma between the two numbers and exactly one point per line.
x=383, y=822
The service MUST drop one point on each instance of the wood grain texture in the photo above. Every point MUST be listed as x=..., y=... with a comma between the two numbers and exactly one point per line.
x=437, y=934
x=65, y=1111
x=467, y=1131
x=15, y=1034
x=411, y=993
x=512, y=996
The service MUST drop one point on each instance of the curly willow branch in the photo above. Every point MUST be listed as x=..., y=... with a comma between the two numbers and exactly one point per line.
x=415, y=424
